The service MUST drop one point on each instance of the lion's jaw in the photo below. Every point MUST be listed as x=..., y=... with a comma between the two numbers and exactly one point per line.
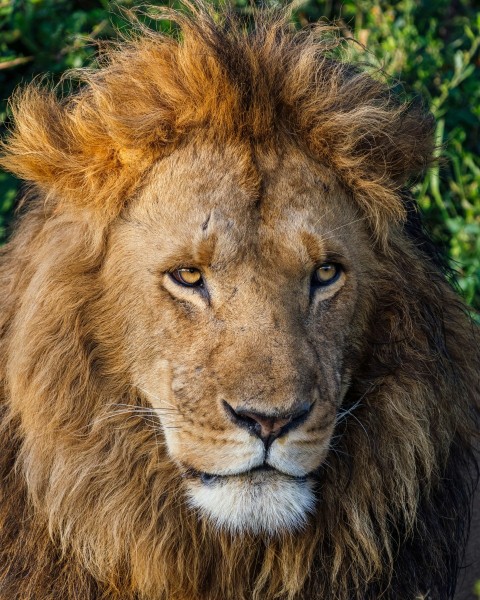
x=254, y=338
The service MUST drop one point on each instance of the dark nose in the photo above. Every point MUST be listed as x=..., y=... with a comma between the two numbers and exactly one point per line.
x=268, y=427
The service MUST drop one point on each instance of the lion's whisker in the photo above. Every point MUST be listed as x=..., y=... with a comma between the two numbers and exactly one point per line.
x=327, y=212
x=146, y=414
x=143, y=408
x=335, y=449
x=326, y=464
x=361, y=425
x=327, y=235
x=343, y=414
x=147, y=393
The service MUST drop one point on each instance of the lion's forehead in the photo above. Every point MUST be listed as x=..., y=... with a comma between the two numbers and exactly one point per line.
x=217, y=204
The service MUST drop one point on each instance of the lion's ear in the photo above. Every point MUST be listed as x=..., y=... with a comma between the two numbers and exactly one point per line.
x=64, y=147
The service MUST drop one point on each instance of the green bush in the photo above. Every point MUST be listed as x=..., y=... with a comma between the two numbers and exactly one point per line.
x=433, y=47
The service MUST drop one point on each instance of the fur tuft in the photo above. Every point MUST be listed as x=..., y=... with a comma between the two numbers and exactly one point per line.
x=265, y=84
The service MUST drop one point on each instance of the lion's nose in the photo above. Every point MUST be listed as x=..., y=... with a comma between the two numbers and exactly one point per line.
x=268, y=427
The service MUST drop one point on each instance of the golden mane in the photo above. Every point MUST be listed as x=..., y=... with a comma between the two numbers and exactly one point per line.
x=260, y=85
x=83, y=514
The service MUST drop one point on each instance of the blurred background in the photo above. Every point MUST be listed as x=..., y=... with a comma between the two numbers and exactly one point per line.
x=432, y=46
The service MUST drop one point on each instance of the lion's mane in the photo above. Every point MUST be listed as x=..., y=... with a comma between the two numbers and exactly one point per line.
x=89, y=507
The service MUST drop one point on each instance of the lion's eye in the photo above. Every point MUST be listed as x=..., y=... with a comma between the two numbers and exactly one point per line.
x=187, y=276
x=326, y=274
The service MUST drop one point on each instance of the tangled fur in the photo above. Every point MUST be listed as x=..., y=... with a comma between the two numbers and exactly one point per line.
x=92, y=504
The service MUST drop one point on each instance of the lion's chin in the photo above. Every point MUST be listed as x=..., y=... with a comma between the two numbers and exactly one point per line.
x=259, y=501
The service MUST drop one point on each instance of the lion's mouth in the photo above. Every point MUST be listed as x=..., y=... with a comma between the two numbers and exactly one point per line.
x=262, y=499
x=256, y=473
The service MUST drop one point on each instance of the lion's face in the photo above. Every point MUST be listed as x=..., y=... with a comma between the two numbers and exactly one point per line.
x=241, y=292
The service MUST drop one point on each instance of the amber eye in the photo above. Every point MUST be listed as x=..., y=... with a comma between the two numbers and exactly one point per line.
x=187, y=276
x=326, y=274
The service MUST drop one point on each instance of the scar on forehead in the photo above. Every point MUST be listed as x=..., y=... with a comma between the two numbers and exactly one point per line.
x=206, y=222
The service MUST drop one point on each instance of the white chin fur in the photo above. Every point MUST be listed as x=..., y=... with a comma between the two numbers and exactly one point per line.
x=256, y=502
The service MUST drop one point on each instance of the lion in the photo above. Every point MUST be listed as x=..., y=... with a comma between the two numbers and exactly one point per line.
x=232, y=366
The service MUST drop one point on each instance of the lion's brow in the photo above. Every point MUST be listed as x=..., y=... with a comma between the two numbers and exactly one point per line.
x=205, y=247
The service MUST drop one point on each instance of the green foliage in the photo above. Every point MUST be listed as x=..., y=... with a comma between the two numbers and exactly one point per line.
x=431, y=46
